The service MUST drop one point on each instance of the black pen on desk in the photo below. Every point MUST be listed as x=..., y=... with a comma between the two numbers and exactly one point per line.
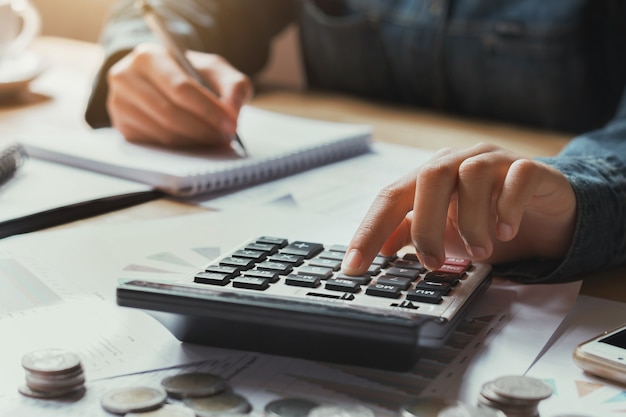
x=11, y=159
x=159, y=27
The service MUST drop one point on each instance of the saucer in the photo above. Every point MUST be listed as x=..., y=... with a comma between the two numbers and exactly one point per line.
x=16, y=72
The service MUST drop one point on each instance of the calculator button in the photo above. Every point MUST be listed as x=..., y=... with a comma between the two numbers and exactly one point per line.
x=242, y=263
x=457, y=270
x=298, y=280
x=318, y=271
x=251, y=283
x=411, y=274
x=383, y=261
x=229, y=271
x=387, y=291
x=294, y=260
x=410, y=257
x=250, y=254
x=458, y=262
x=442, y=287
x=401, y=282
x=373, y=270
x=211, y=278
x=278, y=241
x=280, y=267
x=262, y=247
x=306, y=249
x=401, y=263
x=328, y=254
x=361, y=279
x=424, y=296
x=327, y=263
x=338, y=248
x=272, y=276
x=433, y=276
x=346, y=285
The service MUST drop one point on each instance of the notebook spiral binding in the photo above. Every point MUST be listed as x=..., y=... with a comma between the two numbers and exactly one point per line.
x=11, y=159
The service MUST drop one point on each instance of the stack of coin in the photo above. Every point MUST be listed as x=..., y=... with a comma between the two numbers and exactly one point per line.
x=444, y=407
x=53, y=374
x=516, y=396
x=464, y=410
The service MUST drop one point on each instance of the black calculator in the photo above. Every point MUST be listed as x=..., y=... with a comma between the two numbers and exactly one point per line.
x=290, y=298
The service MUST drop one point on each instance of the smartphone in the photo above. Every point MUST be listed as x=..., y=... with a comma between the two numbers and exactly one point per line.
x=604, y=355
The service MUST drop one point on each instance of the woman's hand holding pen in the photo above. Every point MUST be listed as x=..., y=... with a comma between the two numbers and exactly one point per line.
x=151, y=98
x=483, y=202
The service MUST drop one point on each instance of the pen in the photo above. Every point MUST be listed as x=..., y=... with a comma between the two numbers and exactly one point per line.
x=11, y=159
x=159, y=27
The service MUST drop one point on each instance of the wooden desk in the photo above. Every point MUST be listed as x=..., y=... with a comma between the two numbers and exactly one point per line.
x=51, y=102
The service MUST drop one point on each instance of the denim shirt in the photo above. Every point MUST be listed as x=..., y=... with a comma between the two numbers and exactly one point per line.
x=557, y=64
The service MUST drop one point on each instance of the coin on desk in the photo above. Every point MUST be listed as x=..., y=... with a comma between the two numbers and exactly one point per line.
x=290, y=407
x=223, y=403
x=195, y=384
x=464, y=410
x=427, y=407
x=53, y=374
x=47, y=383
x=514, y=395
x=133, y=399
x=51, y=361
x=521, y=388
x=65, y=395
x=341, y=411
x=167, y=410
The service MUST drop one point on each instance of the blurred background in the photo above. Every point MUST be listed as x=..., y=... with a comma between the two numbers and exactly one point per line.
x=83, y=20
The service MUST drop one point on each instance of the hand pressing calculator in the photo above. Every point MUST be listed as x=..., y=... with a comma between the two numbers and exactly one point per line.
x=290, y=298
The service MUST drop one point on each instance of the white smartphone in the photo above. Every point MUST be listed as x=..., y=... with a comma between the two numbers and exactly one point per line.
x=604, y=355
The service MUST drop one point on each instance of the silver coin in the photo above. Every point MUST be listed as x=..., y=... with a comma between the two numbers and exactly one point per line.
x=522, y=387
x=490, y=394
x=51, y=361
x=464, y=410
x=68, y=395
x=167, y=410
x=523, y=409
x=219, y=404
x=289, y=407
x=427, y=407
x=39, y=383
x=341, y=411
x=133, y=399
x=194, y=384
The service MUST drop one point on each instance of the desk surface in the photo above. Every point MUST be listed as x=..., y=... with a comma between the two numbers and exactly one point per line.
x=48, y=100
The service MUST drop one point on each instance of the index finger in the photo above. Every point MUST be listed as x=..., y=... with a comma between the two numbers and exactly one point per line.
x=383, y=217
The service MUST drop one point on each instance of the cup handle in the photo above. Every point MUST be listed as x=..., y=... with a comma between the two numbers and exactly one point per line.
x=30, y=27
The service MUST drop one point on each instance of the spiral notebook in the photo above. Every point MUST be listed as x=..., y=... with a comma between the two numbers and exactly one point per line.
x=278, y=145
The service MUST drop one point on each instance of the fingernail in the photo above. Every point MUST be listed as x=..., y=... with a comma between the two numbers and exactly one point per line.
x=477, y=252
x=429, y=261
x=505, y=231
x=352, y=261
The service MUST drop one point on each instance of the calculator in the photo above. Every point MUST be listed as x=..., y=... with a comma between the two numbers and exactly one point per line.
x=290, y=298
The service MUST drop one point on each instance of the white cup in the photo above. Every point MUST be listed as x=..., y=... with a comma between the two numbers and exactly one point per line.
x=20, y=23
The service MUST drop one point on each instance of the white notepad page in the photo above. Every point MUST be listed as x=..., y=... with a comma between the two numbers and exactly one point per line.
x=277, y=144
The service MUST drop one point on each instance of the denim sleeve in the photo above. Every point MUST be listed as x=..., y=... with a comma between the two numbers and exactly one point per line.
x=595, y=165
x=239, y=30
